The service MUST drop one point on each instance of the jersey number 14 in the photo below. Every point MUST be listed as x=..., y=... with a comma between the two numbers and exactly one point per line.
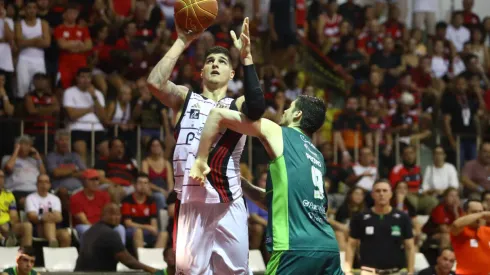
x=317, y=178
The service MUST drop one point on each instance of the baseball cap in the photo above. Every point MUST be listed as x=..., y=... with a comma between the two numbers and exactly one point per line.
x=90, y=174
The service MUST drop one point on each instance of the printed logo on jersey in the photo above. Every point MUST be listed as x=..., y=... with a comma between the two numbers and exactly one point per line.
x=221, y=105
x=189, y=138
x=194, y=114
x=395, y=231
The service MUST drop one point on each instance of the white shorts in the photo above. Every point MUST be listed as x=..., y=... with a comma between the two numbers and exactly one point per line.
x=212, y=238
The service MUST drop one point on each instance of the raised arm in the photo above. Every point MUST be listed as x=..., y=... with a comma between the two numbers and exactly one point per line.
x=160, y=86
x=459, y=224
x=252, y=103
x=269, y=133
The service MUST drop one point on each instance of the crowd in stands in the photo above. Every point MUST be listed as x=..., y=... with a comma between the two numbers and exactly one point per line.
x=80, y=127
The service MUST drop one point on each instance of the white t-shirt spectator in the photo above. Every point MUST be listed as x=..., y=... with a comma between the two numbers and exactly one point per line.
x=425, y=5
x=458, y=36
x=439, y=66
x=24, y=174
x=6, y=62
x=440, y=178
x=34, y=203
x=74, y=98
x=365, y=183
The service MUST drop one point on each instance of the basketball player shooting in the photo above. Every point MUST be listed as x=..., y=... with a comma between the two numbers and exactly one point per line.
x=211, y=226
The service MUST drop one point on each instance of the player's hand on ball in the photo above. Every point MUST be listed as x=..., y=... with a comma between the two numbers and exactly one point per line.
x=199, y=171
x=187, y=37
x=243, y=42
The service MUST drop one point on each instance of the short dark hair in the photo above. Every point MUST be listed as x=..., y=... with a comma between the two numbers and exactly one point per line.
x=313, y=110
x=444, y=248
x=466, y=205
x=84, y=70
x=142, y=175
x=382, y=181
x=114, y=139
x=218, y=50
x=148, y=145
x=27, y=250
x=72, y=6
x=441, y=25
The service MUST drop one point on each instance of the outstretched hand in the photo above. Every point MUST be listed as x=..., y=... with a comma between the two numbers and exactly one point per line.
x=243, y=42
x=199, y=171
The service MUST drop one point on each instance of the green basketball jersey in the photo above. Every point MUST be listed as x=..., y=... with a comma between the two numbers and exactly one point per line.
x=13, y=271
x=296, y=198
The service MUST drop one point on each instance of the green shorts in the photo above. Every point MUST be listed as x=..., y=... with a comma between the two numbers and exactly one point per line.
x=304, y=262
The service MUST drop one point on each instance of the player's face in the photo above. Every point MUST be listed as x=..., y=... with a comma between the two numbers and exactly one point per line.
x=217, y=70
x=25, y=263
x=289, y=115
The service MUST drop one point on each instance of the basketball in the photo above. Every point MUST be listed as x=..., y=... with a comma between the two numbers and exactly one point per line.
x=195, y=15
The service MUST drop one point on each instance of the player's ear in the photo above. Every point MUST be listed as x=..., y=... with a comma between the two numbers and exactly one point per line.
x=232, y=74
x=202, y=70
x=297, y=115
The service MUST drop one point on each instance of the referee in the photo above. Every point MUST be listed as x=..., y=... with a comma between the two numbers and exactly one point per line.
x=384, y=235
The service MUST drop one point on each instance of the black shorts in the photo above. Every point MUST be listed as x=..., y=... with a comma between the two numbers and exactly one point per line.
x=86, y=136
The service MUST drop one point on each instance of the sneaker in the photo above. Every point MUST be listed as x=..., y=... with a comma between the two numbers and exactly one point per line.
x=11, y=240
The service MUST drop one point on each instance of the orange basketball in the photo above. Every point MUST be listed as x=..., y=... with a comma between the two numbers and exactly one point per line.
x=195, y=15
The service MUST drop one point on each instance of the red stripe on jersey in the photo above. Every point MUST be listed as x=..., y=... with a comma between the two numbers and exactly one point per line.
x=176, y=222
x=215, y=176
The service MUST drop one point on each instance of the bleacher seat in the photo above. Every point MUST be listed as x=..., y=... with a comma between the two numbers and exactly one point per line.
x=256, y=261
x=60, y=259
x=152, y=257
x=7, y=257
x=420, y=262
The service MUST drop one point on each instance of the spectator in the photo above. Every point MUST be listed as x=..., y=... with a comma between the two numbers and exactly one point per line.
x=22, y=167
x=384, y=235
x=32, y=36
x=86, y=206
x=282, y=31
x=25, y=261
x=459, y=110
x=145, y=32
x=363, y=173
x=123, y=9
x=6, y=108
x=221, y=31
x=119, y=171
x=140, y=217
x=159, y=171
x=409, y=172
x=120, y=118
x=485, y=198
x=373, y=89
x=442, y=216
x=444, y=265
x=169, y=258
x=329, y=25
x=349, y=57
x=123, y=43
x=292, y=85
x=100, y=58
x=257, y=219
x=84, y=106
x=441, y=62
x=10, y=227
x=475, y=176
x=395, y=26
x=352, y=205
x=400, y=201
x=44, y=212
x=457, y=33
x=388, y=61
x=470, y=19
x=470, y=238
x=370, y=40
x=74, y=43
x=103, y=248
x=6, y=111
x=150, y=113
x=424, y=15
x=441, y=31
x=65, y=167
x=440, y=175
x=479, y=49
x=43, y=109
x=6, y=43
x=350, y=130
x=350, y=11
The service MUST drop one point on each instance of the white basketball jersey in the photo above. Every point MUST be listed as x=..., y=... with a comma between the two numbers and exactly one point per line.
x=223, y=183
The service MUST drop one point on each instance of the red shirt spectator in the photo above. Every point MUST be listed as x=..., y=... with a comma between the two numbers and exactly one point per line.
x=301, y=13
x=122, y=8
x=75, y=43
x=370, y=44
x=394, y=29
x=411, y=175
x=90, y=206
x=140, y=213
